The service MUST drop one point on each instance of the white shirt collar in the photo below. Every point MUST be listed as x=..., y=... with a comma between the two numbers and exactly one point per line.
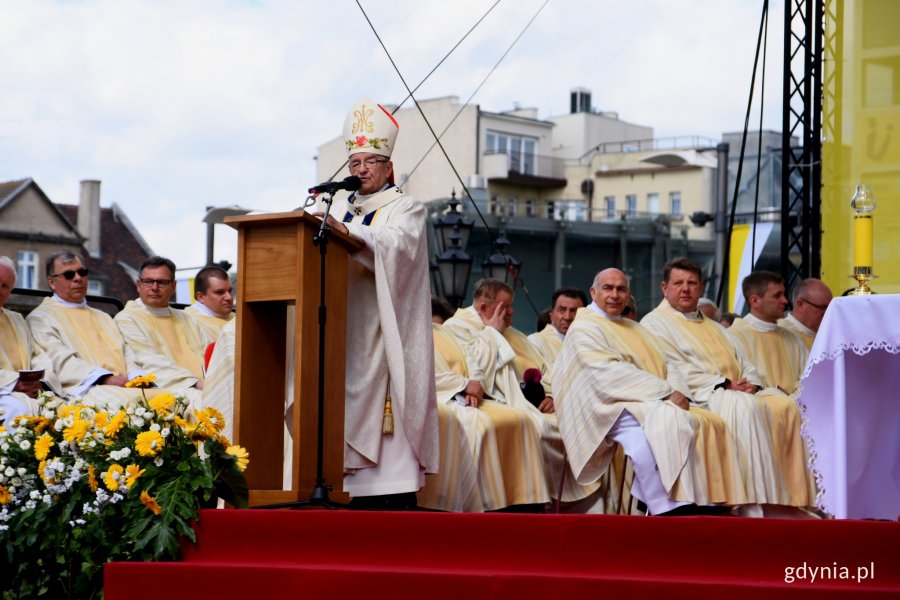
x=202, y=308
x=759, y=323
x=68, y=304
x=593, y=306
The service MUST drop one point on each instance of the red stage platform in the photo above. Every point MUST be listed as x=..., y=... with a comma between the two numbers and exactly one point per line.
x=345, y=554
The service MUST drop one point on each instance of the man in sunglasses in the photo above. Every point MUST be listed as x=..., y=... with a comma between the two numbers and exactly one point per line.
x=164, y=341
x=811, y=298
x=81, y=344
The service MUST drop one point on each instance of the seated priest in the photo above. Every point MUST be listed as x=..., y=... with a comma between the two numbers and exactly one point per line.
x=613, y=386
x=490, y=452
x=521, y=378
x=19, y=383
x=163, y=340
x=810, y=300
x=78, y=343
x=764, y=422
x=213, y=300
x=564, y=303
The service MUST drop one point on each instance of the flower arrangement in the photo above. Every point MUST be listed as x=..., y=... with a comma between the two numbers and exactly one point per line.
x=80, y=487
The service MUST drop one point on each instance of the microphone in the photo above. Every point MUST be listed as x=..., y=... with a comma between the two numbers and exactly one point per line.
x=351, y=184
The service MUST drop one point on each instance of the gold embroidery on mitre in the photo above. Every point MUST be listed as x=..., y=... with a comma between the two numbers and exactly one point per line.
x=363, y=120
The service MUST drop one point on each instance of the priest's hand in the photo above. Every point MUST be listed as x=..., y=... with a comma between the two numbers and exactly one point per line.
x=742, y=385
x=497, y=320
x=29, y=388
x=679, y=400
x=546, y=406
x=474, y=393
x=116, y=380
x=333, y=223
x=198, y=385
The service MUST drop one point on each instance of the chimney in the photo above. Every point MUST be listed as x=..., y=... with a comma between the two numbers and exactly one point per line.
x=580, y=100
x=89, y=215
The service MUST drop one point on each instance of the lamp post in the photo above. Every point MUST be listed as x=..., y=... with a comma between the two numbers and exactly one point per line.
x=217, y=214
x=500, y=265
x=454, y=265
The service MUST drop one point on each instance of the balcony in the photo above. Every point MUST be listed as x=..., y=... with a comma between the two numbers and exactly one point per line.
x=517, y=168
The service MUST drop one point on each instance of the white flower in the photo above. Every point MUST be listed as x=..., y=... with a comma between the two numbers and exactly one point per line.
x=48, y=414
x=155, y=427
x=22, y=471
x=92, y=444
x=15, y=481
x=59, y=425
x=165, y=432
x=24, y=444
x=9, y=472
x=30, y=504
x=140, y=411
x=138, y=422
x=34, y=495
x=4, y=447
x=158, y=461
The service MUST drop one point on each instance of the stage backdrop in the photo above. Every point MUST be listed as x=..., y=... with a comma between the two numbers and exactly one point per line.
x=861, y=131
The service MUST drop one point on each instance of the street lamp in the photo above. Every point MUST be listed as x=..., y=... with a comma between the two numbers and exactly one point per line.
x=217, y=214
x=454, y=265
x=500, y=265
x=452, y=221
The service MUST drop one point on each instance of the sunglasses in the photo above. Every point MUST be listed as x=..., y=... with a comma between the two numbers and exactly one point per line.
x=70, y=275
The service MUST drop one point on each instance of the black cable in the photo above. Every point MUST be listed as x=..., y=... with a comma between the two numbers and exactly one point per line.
x=762, y=104
x=737, y=183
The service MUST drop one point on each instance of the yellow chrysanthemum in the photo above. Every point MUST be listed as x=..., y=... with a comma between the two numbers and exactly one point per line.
x=149, y=443
x=181, y=422
x=66, y=410
x=223, y=440
x=100, y=419
x=241, y=455
x=40, y=424
x=41, y=468
x=162, y=402
x=150, y=502
x=112, y=479
x=216, y=417
x=112, y=428
x=92, y=478
x=77, y=431
x=5, y=496
x=141, y=381
x=205, y=425
x=42, y=446
x=132, y=472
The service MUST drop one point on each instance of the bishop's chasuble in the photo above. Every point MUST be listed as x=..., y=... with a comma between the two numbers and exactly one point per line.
x=390, y=348
x=547, y=342
x=16, y=350
x=209, y=323
x=513, y=354
x=765, y=426
x=610, y=365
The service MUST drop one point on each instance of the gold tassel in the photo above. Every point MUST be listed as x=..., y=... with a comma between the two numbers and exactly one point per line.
x=387, y=424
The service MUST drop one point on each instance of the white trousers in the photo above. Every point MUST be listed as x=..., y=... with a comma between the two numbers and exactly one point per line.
x=647, y=486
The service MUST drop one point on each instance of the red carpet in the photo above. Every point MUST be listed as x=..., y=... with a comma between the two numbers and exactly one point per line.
x=292, y=554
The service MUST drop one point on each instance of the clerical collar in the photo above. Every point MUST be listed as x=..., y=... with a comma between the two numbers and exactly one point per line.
x=558, y=333
x=361, y=198
x=694, y=315
x=68, y=304
x=759, y=323
x=593, y=306
x=796, y=323
x=202, y=308
x=156, y=312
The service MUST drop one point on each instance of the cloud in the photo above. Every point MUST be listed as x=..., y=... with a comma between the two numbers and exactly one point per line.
x=176, y=106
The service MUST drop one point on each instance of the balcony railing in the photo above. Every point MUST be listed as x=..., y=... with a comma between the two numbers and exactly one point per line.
x=534, y=165
x=682, y=142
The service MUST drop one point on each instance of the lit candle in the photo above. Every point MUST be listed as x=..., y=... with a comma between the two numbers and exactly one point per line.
x=863, y=205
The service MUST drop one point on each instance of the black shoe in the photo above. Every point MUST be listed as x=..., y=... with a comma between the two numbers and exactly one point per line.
x=402, y=501
x=692, y=510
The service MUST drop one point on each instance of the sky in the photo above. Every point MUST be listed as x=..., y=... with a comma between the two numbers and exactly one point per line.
x=176, y=105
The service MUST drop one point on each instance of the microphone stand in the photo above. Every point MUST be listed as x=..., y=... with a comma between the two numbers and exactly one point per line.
x=319, y=495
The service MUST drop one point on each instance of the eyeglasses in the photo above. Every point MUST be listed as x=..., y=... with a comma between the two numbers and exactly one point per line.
x=70, y=275
x=149, y=283
x=819, y=306
x=369, y=162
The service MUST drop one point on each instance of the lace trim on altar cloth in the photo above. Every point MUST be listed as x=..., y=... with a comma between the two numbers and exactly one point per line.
x=859, y=350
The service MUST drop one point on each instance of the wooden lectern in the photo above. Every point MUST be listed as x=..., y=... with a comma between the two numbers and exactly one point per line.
x=279, y=266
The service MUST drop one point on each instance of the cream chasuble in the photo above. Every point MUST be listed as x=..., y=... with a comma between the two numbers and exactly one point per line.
x=76, y=341
x=389, y=343
x=510, y=354
x=16, y=349
x=779, y=355
x=765, y=426
x=167, y=343
x=503, y=442
x=547, y=342
x=607, y=366
x=210, y=325
x=806, y=334
x=218, y=388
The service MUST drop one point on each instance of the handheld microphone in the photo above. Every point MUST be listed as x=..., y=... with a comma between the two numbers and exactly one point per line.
x=351, y=184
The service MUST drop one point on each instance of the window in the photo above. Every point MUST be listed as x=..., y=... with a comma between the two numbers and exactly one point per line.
x=610, y=202
x=653, y=203
x=27, y=270
x=675, y=203
x=519, y=150
x=492, y=205
x=512, y=207
x=529, y=207
x=95, y=288
x=631, y=204
x=550, y=209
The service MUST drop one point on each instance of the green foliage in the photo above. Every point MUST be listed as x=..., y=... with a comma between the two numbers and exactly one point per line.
x=80, y=487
